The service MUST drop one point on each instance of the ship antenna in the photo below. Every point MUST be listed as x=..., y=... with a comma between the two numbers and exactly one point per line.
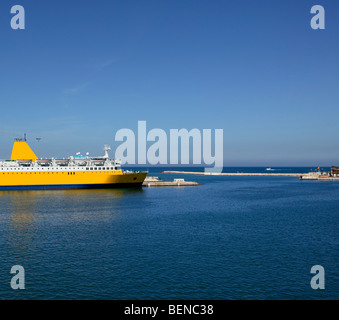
x=25, y=137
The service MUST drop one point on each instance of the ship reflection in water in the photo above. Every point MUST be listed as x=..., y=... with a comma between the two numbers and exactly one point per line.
x=27, y=213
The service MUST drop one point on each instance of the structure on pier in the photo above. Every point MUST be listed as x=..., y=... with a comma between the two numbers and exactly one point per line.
x=335, y=171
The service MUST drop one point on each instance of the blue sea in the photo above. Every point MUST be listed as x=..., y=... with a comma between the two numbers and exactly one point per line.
x=228, y=238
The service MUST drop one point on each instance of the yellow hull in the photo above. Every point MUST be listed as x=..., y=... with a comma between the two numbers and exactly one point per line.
x=70, y=179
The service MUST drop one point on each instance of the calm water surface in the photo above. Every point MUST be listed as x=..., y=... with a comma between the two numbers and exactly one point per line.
x=230, y=238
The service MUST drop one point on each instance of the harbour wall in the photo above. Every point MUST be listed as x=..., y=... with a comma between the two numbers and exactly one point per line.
x=241, y=174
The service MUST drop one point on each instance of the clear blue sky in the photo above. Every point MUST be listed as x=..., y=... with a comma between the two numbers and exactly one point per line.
x=84, y=69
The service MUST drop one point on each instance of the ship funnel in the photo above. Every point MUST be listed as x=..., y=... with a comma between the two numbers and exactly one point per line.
x=22, y=151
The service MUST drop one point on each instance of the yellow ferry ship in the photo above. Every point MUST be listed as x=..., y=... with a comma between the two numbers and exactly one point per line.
x=26, y=171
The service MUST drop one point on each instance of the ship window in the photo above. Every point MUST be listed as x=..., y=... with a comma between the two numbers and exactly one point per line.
x=95, y=168
x=86, y=168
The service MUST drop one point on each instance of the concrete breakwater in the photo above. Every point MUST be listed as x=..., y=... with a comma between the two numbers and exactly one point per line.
x=238, y=174
x=156, y=182
x=318, y=176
